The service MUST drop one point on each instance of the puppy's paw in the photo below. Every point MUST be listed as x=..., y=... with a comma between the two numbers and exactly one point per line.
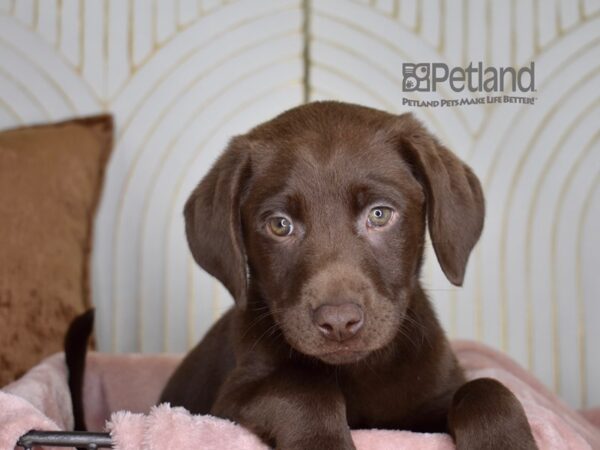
x=485, y=415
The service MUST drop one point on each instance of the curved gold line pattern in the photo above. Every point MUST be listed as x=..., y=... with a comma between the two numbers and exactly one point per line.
x=478, y=293
x=442, y=44
x=478, y=251
x=511, y=191
x=41, y=72
x=185, y=58
x=491, y=172
x=382, y=101
x=580, y=294
x=513, y=33
x=139, y=150
x=307, y=38
x=154, y=28
x=172, y=144
x=12, y=111
x=395, y=9
x=453, y=313
x=394, y=14
x=556, y=40
x=128, y=121
x=156, y=49
x=566, y=29
x=105, y=53
x=488, y=27
x=129, y=47
x=167, y=153
x=164, y=76
x=26, y=92
x=216, y=300
x=80, y=34
x=178, y=185
x=58, y=25
x=465, y=33
x=516, y=118
x=557, y=25
x=81, y=11
x=419, y=17
x=390, y=45
x=392, y=79
x=486, y=122
x=137, y=154
x=324, y=93
x=554, y=243
x=36, y=14
x=556, y=149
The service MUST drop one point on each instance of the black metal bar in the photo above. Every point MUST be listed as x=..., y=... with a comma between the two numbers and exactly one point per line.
x=80, y=439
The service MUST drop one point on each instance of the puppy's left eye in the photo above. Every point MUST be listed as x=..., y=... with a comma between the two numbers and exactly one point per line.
x=280, y=226
x=379, y=216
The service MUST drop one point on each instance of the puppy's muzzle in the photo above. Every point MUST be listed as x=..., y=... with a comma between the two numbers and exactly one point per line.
x=338, y=322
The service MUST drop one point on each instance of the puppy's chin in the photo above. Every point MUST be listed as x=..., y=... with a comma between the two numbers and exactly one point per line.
x=334, y=353
x=328, y=352
x=343, y=356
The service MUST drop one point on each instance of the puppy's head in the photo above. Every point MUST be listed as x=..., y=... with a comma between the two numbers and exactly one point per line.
x=321, y=212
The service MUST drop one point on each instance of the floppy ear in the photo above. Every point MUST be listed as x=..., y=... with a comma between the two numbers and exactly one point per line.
x=455, y=204
x=213, y=221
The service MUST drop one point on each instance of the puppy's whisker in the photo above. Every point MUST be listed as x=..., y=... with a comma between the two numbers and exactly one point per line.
x=420, y=328
x=255, y=322
x=269, y=313
x=274, y=326
x=409, y=338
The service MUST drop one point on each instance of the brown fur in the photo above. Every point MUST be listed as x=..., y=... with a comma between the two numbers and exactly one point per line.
x=266, y=364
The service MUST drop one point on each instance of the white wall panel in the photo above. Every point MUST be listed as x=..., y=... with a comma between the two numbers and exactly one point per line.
x=182, y=76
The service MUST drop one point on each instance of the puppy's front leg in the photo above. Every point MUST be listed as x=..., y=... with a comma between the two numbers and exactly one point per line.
x=485, y=415
x=291, y=410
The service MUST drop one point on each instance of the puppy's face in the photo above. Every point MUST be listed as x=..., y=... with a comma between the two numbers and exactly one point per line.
x=333, y=225
x=320, y=214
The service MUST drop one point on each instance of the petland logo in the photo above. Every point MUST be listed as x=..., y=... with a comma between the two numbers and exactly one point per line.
x=429, y=77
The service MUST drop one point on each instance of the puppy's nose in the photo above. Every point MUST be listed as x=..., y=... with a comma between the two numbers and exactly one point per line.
x=339, y=322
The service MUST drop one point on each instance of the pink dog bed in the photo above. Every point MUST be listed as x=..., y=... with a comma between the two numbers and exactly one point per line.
x=120, y=391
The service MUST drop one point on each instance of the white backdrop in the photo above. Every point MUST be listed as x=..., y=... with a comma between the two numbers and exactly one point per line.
x=183, y=76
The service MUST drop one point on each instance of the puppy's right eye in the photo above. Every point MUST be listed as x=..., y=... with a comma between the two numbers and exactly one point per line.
x=379, y=216
x=280, y=226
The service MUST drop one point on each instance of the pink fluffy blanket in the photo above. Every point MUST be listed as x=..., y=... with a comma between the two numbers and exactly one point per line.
x=120, y=391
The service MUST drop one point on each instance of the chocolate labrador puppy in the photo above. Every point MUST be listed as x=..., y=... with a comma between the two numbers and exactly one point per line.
x=315, y=223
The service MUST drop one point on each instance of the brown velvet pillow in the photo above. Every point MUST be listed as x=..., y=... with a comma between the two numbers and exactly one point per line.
x=50, y=182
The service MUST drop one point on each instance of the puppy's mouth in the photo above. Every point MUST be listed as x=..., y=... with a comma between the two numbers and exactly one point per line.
x=342, y=356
